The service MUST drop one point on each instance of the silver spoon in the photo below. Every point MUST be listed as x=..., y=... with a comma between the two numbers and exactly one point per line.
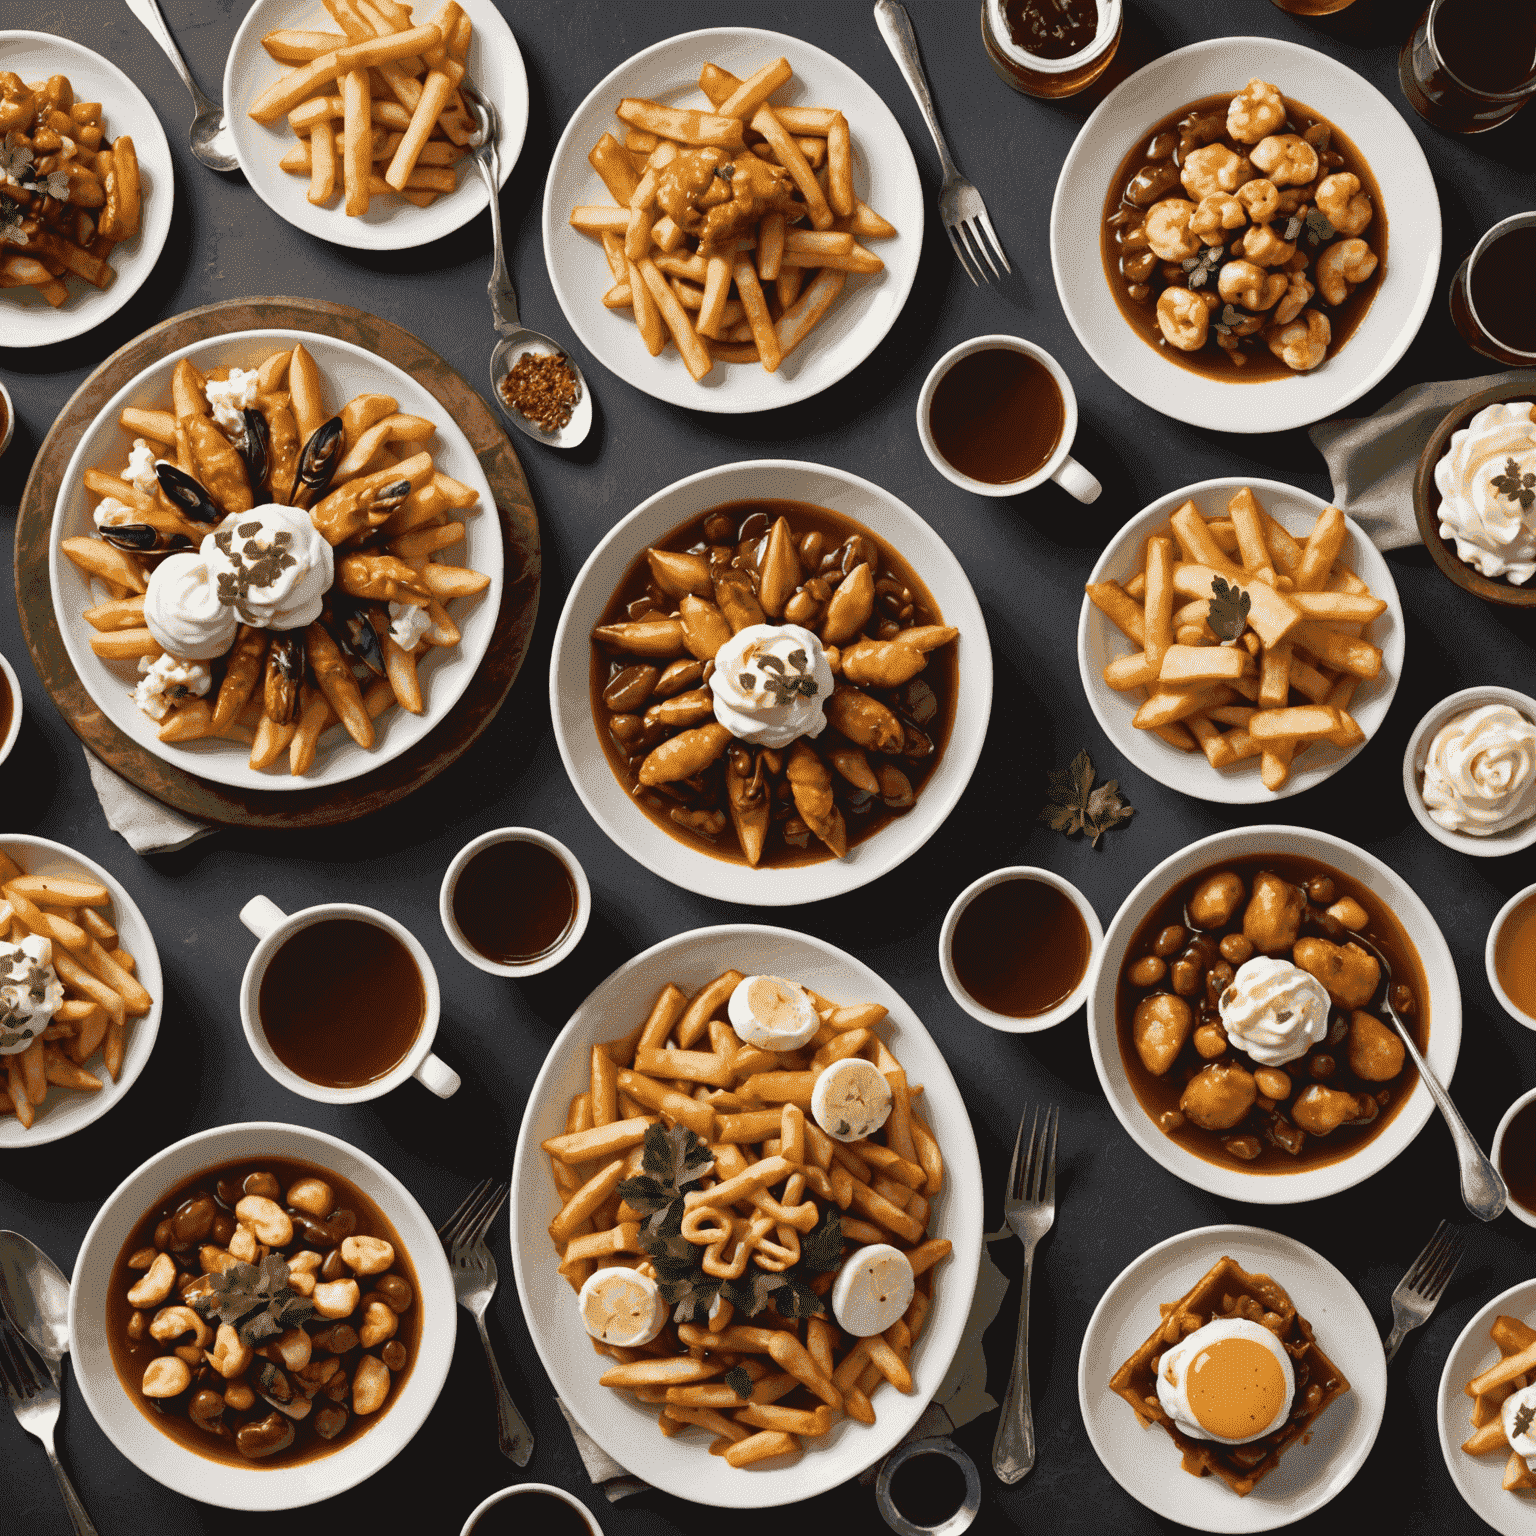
x=35, y=1297
x=516, y=338
x=1483, y=1191
x=209, y=135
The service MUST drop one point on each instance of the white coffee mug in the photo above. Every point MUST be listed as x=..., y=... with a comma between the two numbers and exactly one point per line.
x=1060, y=467
x=273, y=927
x=517, y=1491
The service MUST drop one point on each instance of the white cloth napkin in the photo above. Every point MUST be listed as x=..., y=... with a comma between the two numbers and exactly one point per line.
x=146, y=824
x=962, y=1395
x=1372, y=458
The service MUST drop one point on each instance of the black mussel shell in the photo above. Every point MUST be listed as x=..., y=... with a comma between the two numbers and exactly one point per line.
x=187, y=494
x=317, y=463
x=287, y=653
x=135, y=536
x=257, y=449
x=355, y=635
x=391, y=496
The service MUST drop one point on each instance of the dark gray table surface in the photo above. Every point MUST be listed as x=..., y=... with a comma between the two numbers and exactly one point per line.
x=1027, y=559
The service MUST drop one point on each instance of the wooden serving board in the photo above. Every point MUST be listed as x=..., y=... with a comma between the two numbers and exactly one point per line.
x=324, y=805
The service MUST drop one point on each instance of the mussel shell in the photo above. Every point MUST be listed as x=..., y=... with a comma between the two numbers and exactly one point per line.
x=142, y=539
x=318, y=461
x=187, y=494
x=257, y=448
x=287, y=653
x=357, y=639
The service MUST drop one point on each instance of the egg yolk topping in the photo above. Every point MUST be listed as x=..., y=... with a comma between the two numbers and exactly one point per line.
x=1235, y=1387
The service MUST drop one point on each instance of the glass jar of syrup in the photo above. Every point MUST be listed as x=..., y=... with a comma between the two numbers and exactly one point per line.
x=1050, y=47
x=1491, y=293
x=1470, y=65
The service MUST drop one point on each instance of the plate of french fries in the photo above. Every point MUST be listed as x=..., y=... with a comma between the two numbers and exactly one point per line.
x=1240, y=640
x=332, y=706
x=104, y=956
x=74, y=273
x=750, y=298
x=348, y=120
x=834, y=1445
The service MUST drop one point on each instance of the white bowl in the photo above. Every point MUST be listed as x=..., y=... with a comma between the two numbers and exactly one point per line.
x=495, y=69
x=26, y=320
x=1145, y=1462
x=884, y=176
x=515, y=835
x=1515, y=1209
x=257, y=1487
x=502, y=1495
x=1512, y=839
x=988, y=1016
x=345, y=370
x=1099, y=642
x=9, y=407
x=13, y=730
x=67, y=1110
x=1390, y=149
x=576, y=731
x=1444, y=1014
x=1490, y=953
x=1479, y=1479
x=627, y=1429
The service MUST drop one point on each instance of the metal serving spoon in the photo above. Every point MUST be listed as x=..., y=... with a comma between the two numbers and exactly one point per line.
x=516, y=338
x=35, y=1296
x=209, y=135
x=1482, y=1189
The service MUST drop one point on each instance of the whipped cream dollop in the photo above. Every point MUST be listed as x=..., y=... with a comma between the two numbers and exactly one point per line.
x=30, y=992
x=227, y=398
x=270, y=566
x=112, y=513
x=183, y=612
x=1480, y=771
x=1273, y=1010
x=771, y=685
x=140, y=473
x=167, y=680
x=1520, y=1408
x=1486, y=503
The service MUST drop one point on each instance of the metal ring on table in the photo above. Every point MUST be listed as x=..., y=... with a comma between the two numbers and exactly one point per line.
x=939, y=1445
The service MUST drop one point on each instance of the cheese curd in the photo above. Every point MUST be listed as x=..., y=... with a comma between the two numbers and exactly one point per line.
x=30, y=992
x=140, y=473
x=112, y=513
x=772, y=1014
x=407, y=625
x=229, y=397
x=166, y=681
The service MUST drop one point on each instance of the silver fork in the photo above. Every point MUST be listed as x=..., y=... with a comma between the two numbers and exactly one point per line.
x=35, y=1402
x=474, y=1283
x=1422, y=1287
x=1030, y=1209
x=960, y=206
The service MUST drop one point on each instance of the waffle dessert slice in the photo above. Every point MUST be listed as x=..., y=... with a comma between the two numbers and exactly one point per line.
x=1228, y=1290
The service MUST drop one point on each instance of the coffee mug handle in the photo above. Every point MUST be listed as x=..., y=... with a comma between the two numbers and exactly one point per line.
x=1076, y=481
x=436, y=1074
x=262, y=916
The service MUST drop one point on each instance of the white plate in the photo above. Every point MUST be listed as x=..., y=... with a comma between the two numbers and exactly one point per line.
x=884, y=176
x=257, y=1487
x=1479, y=1479
x=576, y=731
x=627, y=1429
x=495, y=69
x=1099, y=642
x=1444, y=1014
x=345, y=370
x=1145, y=1462
x=1413, y=234
x=67, y=1110
x=26, y=320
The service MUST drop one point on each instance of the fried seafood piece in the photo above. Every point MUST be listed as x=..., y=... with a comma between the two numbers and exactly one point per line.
x=746, y=795
x=865, y=721
x=283, y=446
x=890, y=663
x=1273, y=916
x=704, y=627
x=1219, y=1095
x=736, y=600
x=1321, y=1110
x=1303, y=343
x=218, y=465
x=852, y=764
x=285, y=673
x=1347, y=971
x=683, y=755
x=363, y=504
x=643, y=637
x=811, y=785
x=338, y=685
x=380, y=578
x=850, y=606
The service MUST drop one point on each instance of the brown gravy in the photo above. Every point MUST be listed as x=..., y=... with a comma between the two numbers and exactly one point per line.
x=1160, y=1096
x=1020, y=948
x=170, y=1414
x=997, y=415
x=1514, y=957
x=1052, y=29
x=514, y=901
x=531, y=1514
x=1499, y=285
x=342, y=1002
x=637, y=594
x=1517, y=1158
x=7, y=703
x=1489, y=45
x=1122, y=212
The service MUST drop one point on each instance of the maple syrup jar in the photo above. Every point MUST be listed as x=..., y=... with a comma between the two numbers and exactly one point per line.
x=1493, y=295
x=1470, y=65
x=1050, y=48
x=1017, y=949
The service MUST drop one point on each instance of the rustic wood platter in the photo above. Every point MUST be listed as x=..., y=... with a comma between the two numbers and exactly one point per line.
x=220, y=804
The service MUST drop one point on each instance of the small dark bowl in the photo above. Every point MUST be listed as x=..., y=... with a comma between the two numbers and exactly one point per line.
x=1426, y=499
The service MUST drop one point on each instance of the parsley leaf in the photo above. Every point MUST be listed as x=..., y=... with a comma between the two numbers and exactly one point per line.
x=1318, y=227
x=1076, y=806
x=1228, y=617
x=738, y=1381
x=1515, y=486
x=821, y=1249
x=674, y=1158
x=255, y=1299
x=1522, y=1423
x=1202, y=266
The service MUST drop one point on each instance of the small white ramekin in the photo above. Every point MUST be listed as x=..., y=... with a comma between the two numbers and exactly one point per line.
x=1490, y=950
x=10, y=417
x=1003, y=1021
x=1499, y=843
x=1495, y=1152
x=520, y=1488
x=13, y=730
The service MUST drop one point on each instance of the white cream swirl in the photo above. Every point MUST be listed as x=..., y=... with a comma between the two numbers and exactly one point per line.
x=1480, y=771
x=1493, y=531
x=771, y=683
x=1273, y=1010
x=30, y=992
x=183, y=612
x=270, y=566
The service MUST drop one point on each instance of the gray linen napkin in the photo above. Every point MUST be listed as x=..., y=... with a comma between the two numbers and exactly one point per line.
x=146, y=824
x=962, y=1395
x=1372, y=458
